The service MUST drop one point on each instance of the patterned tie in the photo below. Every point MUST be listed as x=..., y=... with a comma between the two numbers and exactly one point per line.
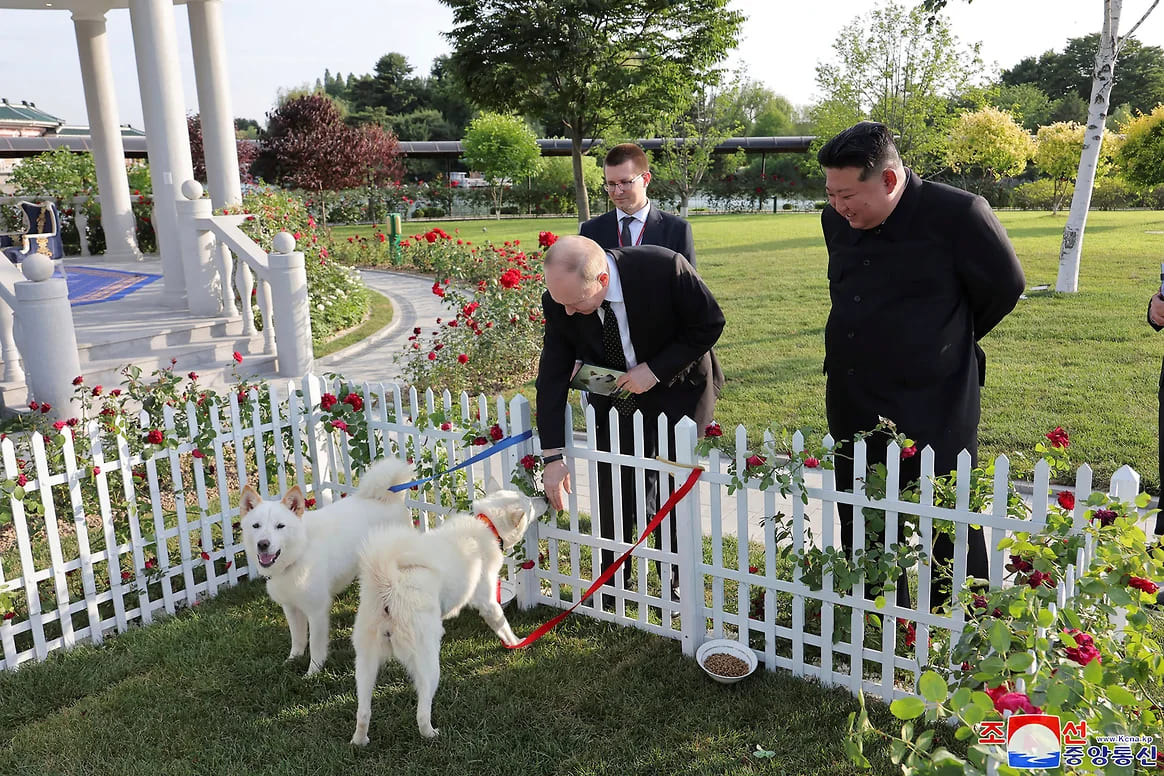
x=615, y=357
x=626, y=235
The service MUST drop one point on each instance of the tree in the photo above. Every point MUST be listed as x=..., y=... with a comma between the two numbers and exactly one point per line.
x=1029, y=104
x=890, y=66
x=682, y=166
x=1139, y=83
x=59, y=173
x=246, y=149
x=753, y=110
x=991, y=142
x=589, y=62
x=1103, y=75
x=307, y=145
x=504, y=149
x=1142, y=155
x=391, y=86
x=1057, y=155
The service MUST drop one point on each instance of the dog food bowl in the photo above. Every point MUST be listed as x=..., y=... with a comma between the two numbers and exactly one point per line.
x=726, y=647
x=508, y=592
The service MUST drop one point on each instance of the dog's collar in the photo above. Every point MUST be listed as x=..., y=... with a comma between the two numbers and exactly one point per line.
x=485, y=519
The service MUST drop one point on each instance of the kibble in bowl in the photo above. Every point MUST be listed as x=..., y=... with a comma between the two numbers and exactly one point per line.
x=725, y=660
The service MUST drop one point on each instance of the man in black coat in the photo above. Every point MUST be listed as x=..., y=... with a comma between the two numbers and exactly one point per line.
x=918, y=273
x=667, y=321
x=635, y=221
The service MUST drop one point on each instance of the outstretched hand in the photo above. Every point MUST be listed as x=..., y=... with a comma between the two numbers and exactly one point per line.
x=640, y=379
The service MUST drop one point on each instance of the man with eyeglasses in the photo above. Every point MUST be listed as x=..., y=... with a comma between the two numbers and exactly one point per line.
x=634, y=220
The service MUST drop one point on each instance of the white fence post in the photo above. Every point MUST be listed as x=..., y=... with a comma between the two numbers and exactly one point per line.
x=43, y=324
x=526, y=582
x=1125, y=486
x=292, y=313
x=203, y=296
x=690, y=549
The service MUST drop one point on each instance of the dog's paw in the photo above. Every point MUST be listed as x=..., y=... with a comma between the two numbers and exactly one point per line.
x=360, y=739
x=312, y=670
x=430, y=732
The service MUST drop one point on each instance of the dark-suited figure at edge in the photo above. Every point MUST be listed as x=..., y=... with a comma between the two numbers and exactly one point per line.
x=918, y=273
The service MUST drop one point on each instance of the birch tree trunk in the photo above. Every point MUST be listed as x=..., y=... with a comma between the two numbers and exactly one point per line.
x=1105, y=60
x=581, y=196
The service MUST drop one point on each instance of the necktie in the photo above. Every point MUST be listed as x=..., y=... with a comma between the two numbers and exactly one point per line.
x=626, y=241
x=615, y=357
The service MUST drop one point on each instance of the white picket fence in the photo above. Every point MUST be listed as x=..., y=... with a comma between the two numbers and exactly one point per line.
x=76, y=577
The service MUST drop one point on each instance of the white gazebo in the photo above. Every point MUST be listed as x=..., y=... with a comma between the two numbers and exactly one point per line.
x=163, y=105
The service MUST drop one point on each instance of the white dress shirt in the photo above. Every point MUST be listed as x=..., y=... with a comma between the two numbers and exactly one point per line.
x=636, y=226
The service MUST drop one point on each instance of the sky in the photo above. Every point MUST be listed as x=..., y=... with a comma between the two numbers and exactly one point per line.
x=273, y=44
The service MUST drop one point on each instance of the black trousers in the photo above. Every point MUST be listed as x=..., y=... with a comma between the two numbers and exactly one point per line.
x=1160, y=432
x=628, y=492
x=942, y=552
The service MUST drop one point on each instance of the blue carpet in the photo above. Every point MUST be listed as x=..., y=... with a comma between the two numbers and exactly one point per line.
x=90, y=285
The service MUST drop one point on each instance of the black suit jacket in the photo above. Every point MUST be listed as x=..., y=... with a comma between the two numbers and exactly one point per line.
x=673, y=320
x=660, y=229
x=910, y=300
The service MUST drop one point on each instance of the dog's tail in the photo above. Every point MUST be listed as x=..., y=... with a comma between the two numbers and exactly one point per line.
x=396, y=579
x=382, y=475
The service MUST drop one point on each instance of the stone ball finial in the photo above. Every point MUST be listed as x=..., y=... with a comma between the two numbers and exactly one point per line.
x=284, y=242
x=37, y=267
x=192, y=189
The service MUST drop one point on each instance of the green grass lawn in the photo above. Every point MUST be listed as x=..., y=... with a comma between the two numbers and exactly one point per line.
x=1088, y=361
x=207, y=692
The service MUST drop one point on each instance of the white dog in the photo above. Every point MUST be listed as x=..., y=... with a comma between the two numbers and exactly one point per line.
x=309, y=558
x=410, y=582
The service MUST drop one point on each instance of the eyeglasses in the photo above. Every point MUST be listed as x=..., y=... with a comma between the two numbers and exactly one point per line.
x=609, y=187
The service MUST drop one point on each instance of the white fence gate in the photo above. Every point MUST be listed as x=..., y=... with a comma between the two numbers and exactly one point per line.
x=118, y=537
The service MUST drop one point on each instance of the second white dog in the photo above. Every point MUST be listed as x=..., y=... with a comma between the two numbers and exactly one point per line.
x=309, y=557
x=410, y=582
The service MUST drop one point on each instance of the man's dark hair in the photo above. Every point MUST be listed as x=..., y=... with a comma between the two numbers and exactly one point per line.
x=624, y=152
x=867, y=145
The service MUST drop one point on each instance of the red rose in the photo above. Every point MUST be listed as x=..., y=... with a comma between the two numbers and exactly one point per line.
x=437, y=289
x=115, y=392
x=1147, y=585
x=309, y=503
x=908, y=452
x=1019, y=564
x=60, y=424
x=355, y=401
x=1058, y=438
x=192, y=375
x=126, y=576
x=198, y=453
x=97, y=390
x=431, y=356
x=510, y=278
x=96, y=470
x=462, y=359
x=713, y=430
x=529, y=462
x=546, y=239
x=78, y=380
x=205, y=555
x=1105, y=516
x=753, y=461
x=910, y=631
x=1040, y=578
x=1015, y=701
x=21, y=480
x=527, y=565
x=155, y=437
x=327, y=401
x=446, y=426
x=1066, y=500
x=33, y=405
x=478, y=441
x=45, y=407
x=811, y=462
x=496, y=433
x=1084, y=650
x=237, y=357
x=752, y=569
x=340, y=425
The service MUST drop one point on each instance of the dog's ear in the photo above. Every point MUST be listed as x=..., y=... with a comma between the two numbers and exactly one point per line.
x=248, y=501
x=293, y=500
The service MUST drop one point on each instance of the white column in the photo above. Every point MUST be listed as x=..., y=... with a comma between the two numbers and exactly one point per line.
x=155, y=44
x=214, y=105
x=108, y=151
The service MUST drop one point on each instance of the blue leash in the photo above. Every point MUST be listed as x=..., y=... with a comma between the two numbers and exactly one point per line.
x=481, y=456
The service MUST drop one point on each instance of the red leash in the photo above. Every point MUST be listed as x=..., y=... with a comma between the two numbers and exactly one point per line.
x=608, y=572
